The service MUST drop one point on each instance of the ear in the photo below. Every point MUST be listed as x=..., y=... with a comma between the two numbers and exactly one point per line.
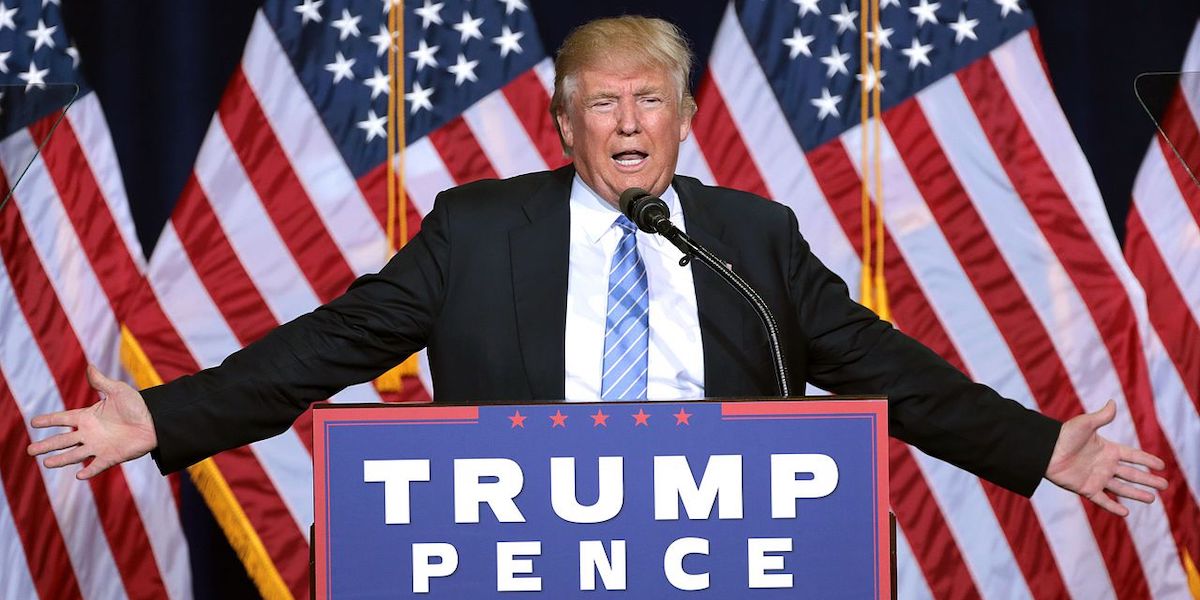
x=685, y=127
x=565, y=129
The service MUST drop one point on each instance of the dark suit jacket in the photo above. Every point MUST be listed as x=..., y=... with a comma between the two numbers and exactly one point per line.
x=484, y=285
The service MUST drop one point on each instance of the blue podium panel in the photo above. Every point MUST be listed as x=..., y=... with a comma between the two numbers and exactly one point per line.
x=769, y=499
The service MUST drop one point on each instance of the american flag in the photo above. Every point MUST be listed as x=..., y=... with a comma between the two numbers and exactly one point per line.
x=287, y=204
x=71, y=268
x=1163, y=246
x=999, y=256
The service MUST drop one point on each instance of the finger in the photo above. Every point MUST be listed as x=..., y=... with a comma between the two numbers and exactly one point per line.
x=99, y=381
x=93, y=469
x=66, y=418
x=1104, y=416
x=1103, y=501
x=1128, y=491
x=69, y=457
x=55, y=442
x=1141, y=477
x=1141, y=457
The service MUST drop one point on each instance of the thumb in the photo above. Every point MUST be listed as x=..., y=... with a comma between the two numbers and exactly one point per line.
x=1104, y=416
x=99, y=381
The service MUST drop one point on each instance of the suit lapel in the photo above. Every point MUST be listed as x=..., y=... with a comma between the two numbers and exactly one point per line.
x=539, y=252
x=721, y=311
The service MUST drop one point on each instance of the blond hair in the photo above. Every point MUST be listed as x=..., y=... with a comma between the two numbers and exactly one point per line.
x=644, y=41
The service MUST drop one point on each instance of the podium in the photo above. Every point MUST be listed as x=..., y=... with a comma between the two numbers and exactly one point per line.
x=778, y=498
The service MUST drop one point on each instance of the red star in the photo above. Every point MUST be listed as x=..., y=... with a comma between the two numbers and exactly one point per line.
x=518, y=420
x=681, y=417
x=599, y=418
x=641, y=418
x=560, y=420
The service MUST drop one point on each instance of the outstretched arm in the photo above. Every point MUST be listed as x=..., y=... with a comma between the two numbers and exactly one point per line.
x=115, y=429
x=1090, y=465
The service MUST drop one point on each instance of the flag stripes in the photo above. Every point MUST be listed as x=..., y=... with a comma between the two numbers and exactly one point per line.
x=28, y=511
x=1070, y=255
x=1162, y=233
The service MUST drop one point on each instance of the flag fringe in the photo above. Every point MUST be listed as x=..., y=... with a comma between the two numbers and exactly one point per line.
x=214, y=489
x=1193, y=575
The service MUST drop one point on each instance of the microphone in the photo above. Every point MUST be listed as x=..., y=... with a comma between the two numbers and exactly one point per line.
x=651, y=215
x=648, y=212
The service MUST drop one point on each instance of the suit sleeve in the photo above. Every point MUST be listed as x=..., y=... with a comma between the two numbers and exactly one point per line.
x=931, y=404
x=260, y=390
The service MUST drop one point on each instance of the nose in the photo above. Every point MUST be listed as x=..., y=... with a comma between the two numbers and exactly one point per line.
x=628, y=122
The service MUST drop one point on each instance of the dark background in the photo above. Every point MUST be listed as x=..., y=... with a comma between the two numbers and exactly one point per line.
x=159, y=69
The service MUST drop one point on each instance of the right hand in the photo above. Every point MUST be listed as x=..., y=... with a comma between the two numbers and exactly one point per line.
x=115, y=429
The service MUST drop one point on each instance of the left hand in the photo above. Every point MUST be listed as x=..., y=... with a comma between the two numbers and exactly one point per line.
x=1090, y=465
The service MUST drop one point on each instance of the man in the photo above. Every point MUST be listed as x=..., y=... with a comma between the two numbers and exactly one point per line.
x=536, y=288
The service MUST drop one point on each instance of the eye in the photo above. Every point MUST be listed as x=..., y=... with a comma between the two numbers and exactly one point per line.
x=650, y=100
x=603, y=104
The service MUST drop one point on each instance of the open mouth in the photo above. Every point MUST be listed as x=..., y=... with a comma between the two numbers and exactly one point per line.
x=630, y=158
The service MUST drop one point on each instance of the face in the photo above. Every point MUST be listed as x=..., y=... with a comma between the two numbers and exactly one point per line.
x=623, y=124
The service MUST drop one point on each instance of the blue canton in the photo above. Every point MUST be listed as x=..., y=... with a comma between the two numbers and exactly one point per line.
x=809, y=50
x=38, y=66
x=455, y=53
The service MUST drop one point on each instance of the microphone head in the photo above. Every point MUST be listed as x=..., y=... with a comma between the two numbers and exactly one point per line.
x=646, y=211
x=628, y=197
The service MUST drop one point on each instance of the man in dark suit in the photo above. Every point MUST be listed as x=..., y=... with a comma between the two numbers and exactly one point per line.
x=537, y=288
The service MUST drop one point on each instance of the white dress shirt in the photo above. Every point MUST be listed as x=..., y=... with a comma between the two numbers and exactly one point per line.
x=676, y=357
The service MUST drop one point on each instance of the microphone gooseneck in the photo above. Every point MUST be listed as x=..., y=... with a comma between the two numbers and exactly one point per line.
x=652, y=215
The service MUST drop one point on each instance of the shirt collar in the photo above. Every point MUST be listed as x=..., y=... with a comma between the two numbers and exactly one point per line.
x=595, y=217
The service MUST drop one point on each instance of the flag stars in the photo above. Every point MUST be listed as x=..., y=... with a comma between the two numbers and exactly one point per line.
x=917, y=53
x=373, y=125
x=518, y=420
x=925, y=12
x=424, y=55
x=964, y=28
x=341, y=67
x=871, y=79
x=884, y=35
x=380, y=83
x=807, y=6
x=835, y=62
x=42, y=35
x=509, y=41
x=4, y=61
x=600, y=418
x=384, y=40
x=463, y=70
x=845, y=19
x=886, y=3
x=429, y=13
x=34, y=77
x=347, y=26
x=681, y=417
x=418, y=98
x=74, y=54
x=641, y=418
x=1007, y=6
x=468, y=28
x=309, y=10
x=512, y=5
x=826, y=105
x=6, y=17
x=798, y=44
x=558, y=420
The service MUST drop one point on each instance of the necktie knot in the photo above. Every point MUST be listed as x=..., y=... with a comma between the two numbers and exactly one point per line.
x=625, y=225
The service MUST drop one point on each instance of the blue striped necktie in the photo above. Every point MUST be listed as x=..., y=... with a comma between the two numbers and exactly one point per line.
x=627, y=326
